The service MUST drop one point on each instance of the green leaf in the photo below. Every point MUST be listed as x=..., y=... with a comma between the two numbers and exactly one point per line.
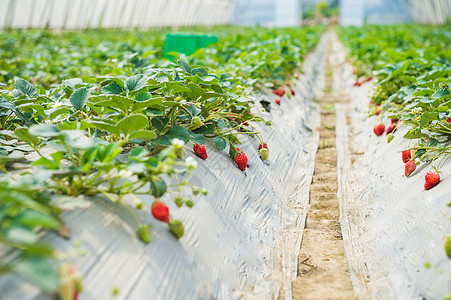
x=160, y=122
x=32, y=219
x=25, y=87
x=136, y=82
x=23, y=135
x=44, y=129
x=111, y=89
x=198, y=138
x=184, y=65
x=72, y=82
x=132, y=123
x=39, y=271
x=428, y=117
x=178, y=132
x=78, y=98
x=220, y=143
x=22, y=235
x=196, y=91
x=200, y=71
x=206, y=129
x=158, y=187
x=106, y=127
x=439, y=94
x=142, y=134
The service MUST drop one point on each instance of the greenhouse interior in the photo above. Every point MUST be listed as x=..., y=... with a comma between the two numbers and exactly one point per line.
x=225, y=149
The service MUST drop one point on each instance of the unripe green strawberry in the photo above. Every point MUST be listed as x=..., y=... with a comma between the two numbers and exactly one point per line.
x=196, y=122
x=189, y=203
x=196, y=191
x=143, y=233
x=263, y=153
x=390, y=137
x=178, y=201
x=70, y=283
x=205, y=192
x=177, y=228
x=447, y=244
x=179, y=152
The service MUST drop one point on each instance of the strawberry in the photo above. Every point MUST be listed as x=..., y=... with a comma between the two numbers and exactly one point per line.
x=200, y=151
x=432, y=178
x=160, y=211
x=279, y=92
x=369, y=78
x=390, y=129
x=406, y=155
x=177, y=228
x=378, y=112
x=292, y=92
x=390, y=137
x=263, y=145
x=263, y=153
x=371, y=102
x=278, y=101
x=179, y=152
x=448, y=120
x=241, y=159
x=357, y=83
x=447, y=245
x=409, y=167
x=379, y=129
x=354, y=71
x=393, y=121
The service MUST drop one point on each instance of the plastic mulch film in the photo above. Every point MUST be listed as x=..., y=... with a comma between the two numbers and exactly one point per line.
x=241, y=241
x=391, y=226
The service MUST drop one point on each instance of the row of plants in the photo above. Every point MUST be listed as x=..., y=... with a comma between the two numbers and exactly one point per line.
x=412, y=65
x=90, y=121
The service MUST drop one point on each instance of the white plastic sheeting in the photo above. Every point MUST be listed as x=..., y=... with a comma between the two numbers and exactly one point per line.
x=80, y=14
x=391, y=226
x=279, y=13
x=430, y=11
x=241, y=241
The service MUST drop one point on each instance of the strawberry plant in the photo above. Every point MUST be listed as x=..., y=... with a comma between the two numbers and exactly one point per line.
x=105, y=117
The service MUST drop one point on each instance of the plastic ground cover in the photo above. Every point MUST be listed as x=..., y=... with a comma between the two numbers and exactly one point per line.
x=241, y=241
x=391, y=226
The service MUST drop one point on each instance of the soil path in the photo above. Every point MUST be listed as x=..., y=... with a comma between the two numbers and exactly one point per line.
x=322, y=269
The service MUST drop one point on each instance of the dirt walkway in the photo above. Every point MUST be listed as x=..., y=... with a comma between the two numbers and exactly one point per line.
x=322, y=269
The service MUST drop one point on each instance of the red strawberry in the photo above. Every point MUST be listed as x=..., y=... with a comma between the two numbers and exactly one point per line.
x=393, y=121
x=278, y=101
x=263, y=145
x=241, y=159
x=448, y=120
x=432, y=179
x=200, y=151
x=279, y=92
x=390, y=129
x=378, y=112
x=406, y=155
x=292, y=92
x=409, y=167
x=379, y=129
x=357, y=83
x=369, y=78
x=160, y=211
